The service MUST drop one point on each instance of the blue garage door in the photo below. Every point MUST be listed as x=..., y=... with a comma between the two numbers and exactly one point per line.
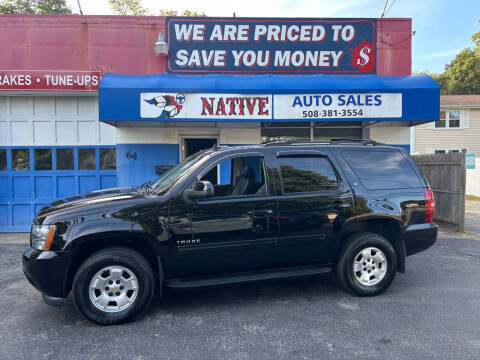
x=32, y=177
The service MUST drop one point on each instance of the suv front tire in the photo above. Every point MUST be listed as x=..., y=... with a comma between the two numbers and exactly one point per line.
x=113, y=286
x=367, y=264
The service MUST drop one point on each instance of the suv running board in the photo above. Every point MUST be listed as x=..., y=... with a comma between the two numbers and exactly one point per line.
x=279, y=273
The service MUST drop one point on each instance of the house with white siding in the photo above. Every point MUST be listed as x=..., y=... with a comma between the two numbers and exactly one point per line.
x=458, y=129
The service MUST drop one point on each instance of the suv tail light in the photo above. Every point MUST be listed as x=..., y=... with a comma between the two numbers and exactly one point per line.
x=429, y=205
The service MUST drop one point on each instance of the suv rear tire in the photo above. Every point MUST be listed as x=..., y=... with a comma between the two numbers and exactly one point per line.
x=113, y=286
x=367, y=264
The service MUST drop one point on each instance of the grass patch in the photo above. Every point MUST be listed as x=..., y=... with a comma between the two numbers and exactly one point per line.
x=472, y=197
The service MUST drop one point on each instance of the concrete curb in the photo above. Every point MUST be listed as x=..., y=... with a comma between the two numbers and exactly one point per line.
x=15, y=238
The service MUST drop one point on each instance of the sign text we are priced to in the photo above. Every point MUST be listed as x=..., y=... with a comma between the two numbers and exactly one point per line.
x=271, y=45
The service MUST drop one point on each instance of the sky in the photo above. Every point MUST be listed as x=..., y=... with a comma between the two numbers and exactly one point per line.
x=442, y=27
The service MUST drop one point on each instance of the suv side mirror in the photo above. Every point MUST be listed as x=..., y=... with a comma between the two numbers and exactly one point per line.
x=200, y=189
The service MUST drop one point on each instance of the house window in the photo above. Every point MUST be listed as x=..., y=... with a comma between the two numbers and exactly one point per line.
x=445, y=150
x=449, y=119
x=453, y=119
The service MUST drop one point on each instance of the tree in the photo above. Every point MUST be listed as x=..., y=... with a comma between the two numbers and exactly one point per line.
x=462, y=75
x=476, y=41
x=128, y=7
x=165, y=12
x=34, y=7
x=135, y=7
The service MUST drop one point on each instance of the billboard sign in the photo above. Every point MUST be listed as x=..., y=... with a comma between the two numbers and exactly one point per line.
x=266, y=45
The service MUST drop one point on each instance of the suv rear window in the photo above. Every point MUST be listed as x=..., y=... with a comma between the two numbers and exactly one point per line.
x=382, y=169
x=306, y=174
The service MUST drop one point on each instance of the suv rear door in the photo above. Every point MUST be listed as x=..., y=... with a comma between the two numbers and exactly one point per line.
x=313, y=204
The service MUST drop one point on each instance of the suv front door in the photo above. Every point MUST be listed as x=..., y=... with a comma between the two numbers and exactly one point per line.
x=313, y=204
x=236, y=229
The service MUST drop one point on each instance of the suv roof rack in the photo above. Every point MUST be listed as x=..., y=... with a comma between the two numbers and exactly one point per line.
x=331, y=142
x=293, y=142
x=355, y=141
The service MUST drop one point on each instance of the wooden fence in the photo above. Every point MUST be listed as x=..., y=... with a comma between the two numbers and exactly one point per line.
x=446, y=175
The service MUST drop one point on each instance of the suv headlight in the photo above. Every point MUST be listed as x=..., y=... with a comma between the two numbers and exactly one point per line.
x=41, y=236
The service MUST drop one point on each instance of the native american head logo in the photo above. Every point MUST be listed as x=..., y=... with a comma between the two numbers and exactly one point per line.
x=170, y=105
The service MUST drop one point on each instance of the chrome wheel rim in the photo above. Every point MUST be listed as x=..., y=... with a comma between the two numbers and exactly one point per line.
x=113, y=289
x=370, y=266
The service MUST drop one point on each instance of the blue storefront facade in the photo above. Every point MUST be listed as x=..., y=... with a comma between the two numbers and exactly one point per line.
x=131, y=101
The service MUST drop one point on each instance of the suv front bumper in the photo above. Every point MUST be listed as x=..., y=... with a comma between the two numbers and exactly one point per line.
x=420, y=237
x=47, y=271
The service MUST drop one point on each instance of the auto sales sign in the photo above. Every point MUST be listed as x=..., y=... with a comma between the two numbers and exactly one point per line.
x=257, y=45
x=269, y=107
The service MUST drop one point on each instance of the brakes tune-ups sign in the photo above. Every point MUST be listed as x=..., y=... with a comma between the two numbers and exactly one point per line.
x=259, y=45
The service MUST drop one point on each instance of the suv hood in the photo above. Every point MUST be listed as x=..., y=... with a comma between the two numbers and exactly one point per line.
x=100, y=197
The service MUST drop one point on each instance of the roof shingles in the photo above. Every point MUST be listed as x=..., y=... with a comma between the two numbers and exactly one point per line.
x=457, y=100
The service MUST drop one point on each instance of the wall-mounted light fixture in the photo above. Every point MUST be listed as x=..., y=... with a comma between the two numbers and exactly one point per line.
x=161, y=46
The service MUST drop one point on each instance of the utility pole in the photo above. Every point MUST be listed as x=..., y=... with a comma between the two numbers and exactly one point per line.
x=384, y=7
x=79, y=7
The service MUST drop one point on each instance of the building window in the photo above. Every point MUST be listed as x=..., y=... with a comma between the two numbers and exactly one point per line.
x=43, y=159
x=327, y=134
x=311, y=131
x=86, y=159
x=108, y=159
x=65, y=159
x=449, y=119
x=280, y=131
x=20, y=160
x=3, y=159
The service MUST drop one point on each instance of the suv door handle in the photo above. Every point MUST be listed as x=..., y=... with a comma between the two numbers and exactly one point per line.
x=339, y=204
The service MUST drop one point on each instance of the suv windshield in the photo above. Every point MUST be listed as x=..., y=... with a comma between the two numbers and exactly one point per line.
x=166, y=182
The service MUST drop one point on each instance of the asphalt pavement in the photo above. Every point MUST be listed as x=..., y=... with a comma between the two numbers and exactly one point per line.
x=432, y=311
x=472, y=218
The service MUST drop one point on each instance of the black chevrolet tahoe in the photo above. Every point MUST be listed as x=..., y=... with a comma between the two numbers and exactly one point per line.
x=235, y=214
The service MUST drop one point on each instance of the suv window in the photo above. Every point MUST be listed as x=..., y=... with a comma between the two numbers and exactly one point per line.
x=306, y=173
x=382, y=169
x=238, y=176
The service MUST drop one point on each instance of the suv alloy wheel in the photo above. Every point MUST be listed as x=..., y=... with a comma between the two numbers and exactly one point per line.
x=367, y=264
x=113, y=286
